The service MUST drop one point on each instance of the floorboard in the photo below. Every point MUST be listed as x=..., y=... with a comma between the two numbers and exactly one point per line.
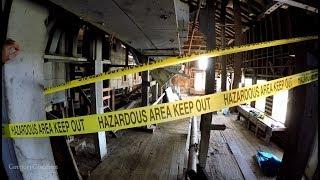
x=142, y=155
x=161, y=155
x=221, y=163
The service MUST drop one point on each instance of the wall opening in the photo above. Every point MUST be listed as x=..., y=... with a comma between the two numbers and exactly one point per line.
x=279, y=106
x=199, y=81
x=261, y=103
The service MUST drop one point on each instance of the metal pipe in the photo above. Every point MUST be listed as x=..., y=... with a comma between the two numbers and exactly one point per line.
x=193, y=148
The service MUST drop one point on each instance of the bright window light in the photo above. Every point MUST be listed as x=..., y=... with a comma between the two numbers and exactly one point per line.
x=218, y=84
x=203, y=63
x=261, y=103
x=247, y=81
x=279, y=107
x=229, y=81
x=199, y=81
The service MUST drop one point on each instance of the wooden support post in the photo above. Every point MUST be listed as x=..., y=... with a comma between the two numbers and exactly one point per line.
x=157, y=90
x=89, y=47
x=72, y=40
x=223, y=45
x=154, y=92
x=237, y=41
x=102, y=145
x=301, y=120
x=145, y=91
x=265, y=61
x=55, y=41
x=113, y=102
x=67, y=167
x=254, y=52
x=92, y=49
x=127, y=57
x=254, y=81
x=253, y=63
x=205, y=124
x=64, y=159
x=71, y=50
x=145, y=85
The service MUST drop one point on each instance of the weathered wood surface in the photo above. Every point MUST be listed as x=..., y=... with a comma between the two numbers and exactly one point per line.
x=161, y=155
x=221, y=163
x=140, y=155
x=242, y=163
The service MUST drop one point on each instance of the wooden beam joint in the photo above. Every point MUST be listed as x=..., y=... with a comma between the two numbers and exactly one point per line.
x=220, y=127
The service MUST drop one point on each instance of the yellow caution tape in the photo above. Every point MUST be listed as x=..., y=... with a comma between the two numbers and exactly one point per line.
x=161, y=113
x=171, y=61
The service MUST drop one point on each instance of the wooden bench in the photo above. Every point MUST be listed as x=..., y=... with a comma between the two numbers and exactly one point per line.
x=267, y=124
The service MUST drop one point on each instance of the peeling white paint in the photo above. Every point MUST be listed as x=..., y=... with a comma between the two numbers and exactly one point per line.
x=24, y=86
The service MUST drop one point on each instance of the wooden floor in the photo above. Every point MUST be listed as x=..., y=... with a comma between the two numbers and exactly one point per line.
x=221, y=163
x=141, y=155
x=162, y=155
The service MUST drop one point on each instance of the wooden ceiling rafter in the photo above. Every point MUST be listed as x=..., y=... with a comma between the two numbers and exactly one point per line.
x=249, y=11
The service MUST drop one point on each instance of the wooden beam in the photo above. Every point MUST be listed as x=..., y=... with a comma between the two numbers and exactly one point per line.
x=299, y=5
x=118, y=65
x=100, y=137
x=220, y=127
x=159, y=99
x=302, y=119
x=223, y=45
x=238, y=41
x=254, y=81
x=269, y=9
x=145, y=90
x=66, y=59
x=242, y=163
x=206, y=119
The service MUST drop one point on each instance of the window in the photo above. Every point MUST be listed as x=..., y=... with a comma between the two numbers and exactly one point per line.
x=229, y=81
x=261, y=103
x=218, y=84
x=247, y=82
x=279, y=106
x=202, y=63
x=199, y=81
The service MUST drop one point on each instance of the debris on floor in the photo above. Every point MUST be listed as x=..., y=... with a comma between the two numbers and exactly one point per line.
x=226, y=111
x=268, y=163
